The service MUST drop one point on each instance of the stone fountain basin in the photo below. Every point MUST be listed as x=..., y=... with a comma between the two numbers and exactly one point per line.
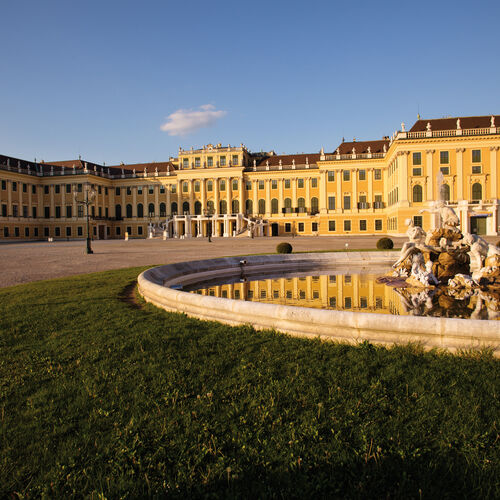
x=155, y=286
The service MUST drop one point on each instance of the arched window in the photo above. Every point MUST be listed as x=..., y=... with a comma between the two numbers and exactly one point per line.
x=197, y=208
x=210, y=186
x=210, y=206
x=174, y=208
x=314, y=204
x=129, y=211
x=274, y=206
x=118, y=211
x=262, y=206
x=249, y=207
x=223, y=207
x=235, y=207
x=151, y=209
x=163, y=210
x=288, y=205
x=222, y=185
x=445, y=192
x=417, y=193
x=301, y=203
x=140, y=210
x=477, y=191
x=185, y=207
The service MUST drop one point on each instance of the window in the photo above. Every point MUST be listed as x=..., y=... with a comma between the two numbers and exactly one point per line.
x=16, y=231
x=196, y=186
x=25, y=211
x=185, y=187
x=222, y=185
x=476, y=156
x=33, y=212
x=25, y=188
x=331, y=175
x=314, y=227
x=314, y=182
x=234, y=185
x=288, y=227
x=35, y=232
x=4, y=210
x=46, y=231
x=128, y=211
x=57, y=231
x=249, y=206
x=346, y=175
x=69, y=211
x=362, y=225
x=117, y=191
x=274, y=184
x=417, y=220
x=46, y=211
x=210, y=161
x=331, y=225
x=288, y=205
x=4, y=185
x=197, y=162
x=173, y=188
x=331, y=203
x=58, y=212
x=417, y=171
x=173, y=207
x=347, y=225
x=248, y=185
x=222, y=161
x=347, y=202
x=162, y=189
x=118, y=231
x=57, y=188
x=444, y=157
x=129, y=190
x=301, y=204
x=14, y=210
x=362, y=175
x=99, y=190
x=163, y=209
x=378, y=224
x=274, y=206
x=347, y=303
x=301, y=227
x=223, y=207
x=476, y=169
x=151, y=209
x=235, y=207
x=417, y=158
x=185, y=163
x=80, y=211
x=33, y=189
x=333, y=301
x=417, y=194
x=5, y=232
x=106, y=191
x=445, y=170
x=139, y=189
x=262, y=206
x=235, y=159
x=129, y=230
x=68, y=231
x=300, y=183
x=477, y=191
x=287, y=183
x=445, y=192
x=261, y=184
x=314, y=205
x=363, y=302
x=139, y=230
x=210, y=186
x=46, y=189
x=151, y=190
x=14, y=186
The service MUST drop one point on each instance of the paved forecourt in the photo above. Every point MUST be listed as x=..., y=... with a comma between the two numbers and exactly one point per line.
x=34, y=261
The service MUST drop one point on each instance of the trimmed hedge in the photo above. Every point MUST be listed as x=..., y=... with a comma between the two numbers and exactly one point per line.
x=385, y=244
x=284, y=248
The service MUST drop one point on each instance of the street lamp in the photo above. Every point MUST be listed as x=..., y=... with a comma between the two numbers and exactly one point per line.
x=88, y=200
x=207, y=212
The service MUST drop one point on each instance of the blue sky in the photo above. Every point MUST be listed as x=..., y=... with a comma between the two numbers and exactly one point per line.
x=101, y=78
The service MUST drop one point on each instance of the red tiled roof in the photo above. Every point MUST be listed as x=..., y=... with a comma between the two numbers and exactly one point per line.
x=162, y=166
x=362, y=147
x=451, y=123
x=274, y=160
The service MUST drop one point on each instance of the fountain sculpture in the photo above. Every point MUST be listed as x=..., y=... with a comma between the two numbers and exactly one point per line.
x=439, y=271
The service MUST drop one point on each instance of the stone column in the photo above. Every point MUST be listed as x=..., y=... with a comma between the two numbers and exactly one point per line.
x=241, y=197
x=255, y=196
x=307, y=180
x=52, y=202
x=229, y=197
x=429, y=173
x=157, y=199
x=134, y=201
x=323, y=192
x=354, y=201
x=339, y=202
x=179, y=197
x=403, y=176
x=294, y=192
x=168, y=187
x=216, y=196
x=280, y=197
x=145, y=190
x=203, y=195
x=9, y=199
x=268, y=197
x=75, y=209
x=370, y=188
x=494, y=173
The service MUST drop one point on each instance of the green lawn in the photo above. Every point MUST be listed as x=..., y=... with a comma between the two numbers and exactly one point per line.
x=101, y=399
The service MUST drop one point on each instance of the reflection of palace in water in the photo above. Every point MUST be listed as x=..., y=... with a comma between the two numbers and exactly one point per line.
x=348, y=292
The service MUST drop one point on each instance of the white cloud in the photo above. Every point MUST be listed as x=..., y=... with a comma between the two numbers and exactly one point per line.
x=185, y=121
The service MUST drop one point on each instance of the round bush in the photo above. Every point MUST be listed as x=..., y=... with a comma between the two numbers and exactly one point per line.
x=284, y=248
x=385, y=244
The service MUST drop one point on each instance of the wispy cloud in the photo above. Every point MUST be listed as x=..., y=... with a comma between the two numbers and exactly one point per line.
x=185, y=121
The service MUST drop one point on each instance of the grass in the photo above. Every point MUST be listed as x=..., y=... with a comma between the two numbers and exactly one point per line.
x=102, y=398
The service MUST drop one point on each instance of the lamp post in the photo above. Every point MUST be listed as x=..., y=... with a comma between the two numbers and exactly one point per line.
x=208, y=213
x=88, y=200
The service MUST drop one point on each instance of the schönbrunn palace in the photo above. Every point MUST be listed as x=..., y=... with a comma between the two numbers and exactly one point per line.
x=361, y=187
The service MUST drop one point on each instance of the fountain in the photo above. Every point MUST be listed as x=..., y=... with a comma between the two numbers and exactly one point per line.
x=447, y=265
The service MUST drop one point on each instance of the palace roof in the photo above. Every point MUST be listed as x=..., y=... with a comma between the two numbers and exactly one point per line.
x=300, y=159
x=451, y=123
x=362, y=147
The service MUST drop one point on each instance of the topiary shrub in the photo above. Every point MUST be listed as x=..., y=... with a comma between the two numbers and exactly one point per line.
x=284, y=248
x=385, y=244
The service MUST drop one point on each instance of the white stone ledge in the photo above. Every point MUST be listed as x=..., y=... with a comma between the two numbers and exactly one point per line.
x=344, y=326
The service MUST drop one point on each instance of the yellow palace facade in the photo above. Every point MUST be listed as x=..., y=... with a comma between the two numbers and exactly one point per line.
x=361, y=187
